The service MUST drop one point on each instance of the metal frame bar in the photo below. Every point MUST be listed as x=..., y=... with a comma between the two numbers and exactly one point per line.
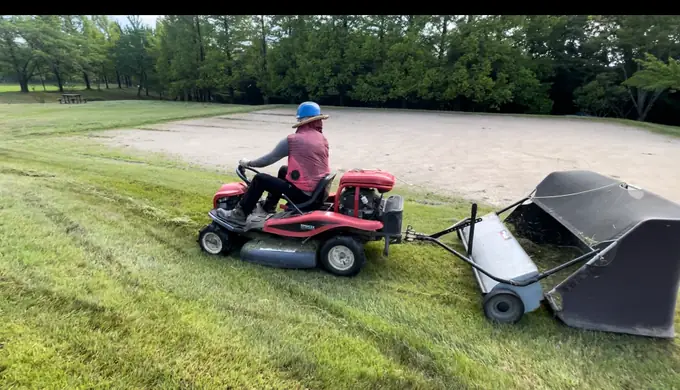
x=542, y=275
x=411, y=235
x=519, y=202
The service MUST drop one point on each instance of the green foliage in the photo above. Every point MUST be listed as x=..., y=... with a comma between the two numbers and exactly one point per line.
x=522, y=64
x=656, y=75
x=603, y=96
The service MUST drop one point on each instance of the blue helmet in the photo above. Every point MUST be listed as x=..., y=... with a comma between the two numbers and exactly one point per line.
x=308, y=109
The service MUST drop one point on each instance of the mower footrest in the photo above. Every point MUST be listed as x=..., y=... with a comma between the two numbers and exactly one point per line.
x=497, y=251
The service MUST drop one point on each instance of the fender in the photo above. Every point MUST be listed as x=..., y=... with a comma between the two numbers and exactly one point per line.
x=229, y=190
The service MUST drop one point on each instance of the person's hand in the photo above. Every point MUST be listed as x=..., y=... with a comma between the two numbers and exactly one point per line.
x=244, y=162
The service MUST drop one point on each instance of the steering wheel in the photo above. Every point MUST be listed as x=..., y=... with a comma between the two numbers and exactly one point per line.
x=241, y=173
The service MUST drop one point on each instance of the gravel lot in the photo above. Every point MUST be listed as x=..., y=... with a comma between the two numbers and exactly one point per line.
x=492, y=158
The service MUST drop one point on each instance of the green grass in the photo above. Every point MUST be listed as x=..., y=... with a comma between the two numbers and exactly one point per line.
x=10, y=93
x=102, y=284
x=30, y=120
x=37, y=87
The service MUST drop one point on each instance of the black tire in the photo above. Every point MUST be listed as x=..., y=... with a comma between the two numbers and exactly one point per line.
x=215, y=241
x=503, y=306
x=341, y=249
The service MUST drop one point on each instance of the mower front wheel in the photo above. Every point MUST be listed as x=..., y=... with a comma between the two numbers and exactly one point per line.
x=214, y=241
x=342, y=256
x=503, y=306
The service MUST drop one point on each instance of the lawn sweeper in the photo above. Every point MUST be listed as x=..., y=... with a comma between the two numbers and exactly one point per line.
x=625, y=281
x=328, y=229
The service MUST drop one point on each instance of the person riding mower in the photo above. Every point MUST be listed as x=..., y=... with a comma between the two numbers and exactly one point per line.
x=308, y=163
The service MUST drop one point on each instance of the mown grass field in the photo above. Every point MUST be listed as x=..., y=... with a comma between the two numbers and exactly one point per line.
x=102, y=284
x=29, y=120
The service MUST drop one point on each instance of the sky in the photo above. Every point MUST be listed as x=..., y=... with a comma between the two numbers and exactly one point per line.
x=149, y=20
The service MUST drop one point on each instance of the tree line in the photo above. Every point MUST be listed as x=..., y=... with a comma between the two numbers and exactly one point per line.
x=603, y=65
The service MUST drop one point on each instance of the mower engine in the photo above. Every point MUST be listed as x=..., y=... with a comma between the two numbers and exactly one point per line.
x=369, y=202
x=361, y=194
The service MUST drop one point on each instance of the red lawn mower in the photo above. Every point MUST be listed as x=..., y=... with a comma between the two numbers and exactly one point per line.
x=330, y=229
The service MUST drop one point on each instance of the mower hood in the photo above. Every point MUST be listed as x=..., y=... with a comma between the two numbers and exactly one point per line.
x=633, y=288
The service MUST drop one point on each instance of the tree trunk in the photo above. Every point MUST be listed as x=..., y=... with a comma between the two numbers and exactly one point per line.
x=42, y=80
x=87, y=81
x=120, y=86
x=227, y=50
x=442, y=40
x=57, y=74
x=23, y=83
x=264, y=60
x=200, y=41
x=146, y=83
x=106, y=79
x=643, y=115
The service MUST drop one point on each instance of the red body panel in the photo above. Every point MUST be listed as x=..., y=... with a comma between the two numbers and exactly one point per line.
x=317, y=222
x=229, y=189
x=368, y=178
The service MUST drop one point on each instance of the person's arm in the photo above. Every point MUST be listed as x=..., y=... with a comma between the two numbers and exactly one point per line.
x=280, y=151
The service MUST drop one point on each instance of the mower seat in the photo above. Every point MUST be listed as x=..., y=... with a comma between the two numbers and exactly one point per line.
x=319, y=195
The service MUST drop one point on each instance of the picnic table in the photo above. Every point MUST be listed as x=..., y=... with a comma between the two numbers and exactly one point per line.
x=67, y=98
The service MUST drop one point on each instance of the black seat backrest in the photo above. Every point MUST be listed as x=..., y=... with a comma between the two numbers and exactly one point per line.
x=320, y=193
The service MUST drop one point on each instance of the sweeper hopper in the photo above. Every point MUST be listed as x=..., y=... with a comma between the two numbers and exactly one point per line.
x=626, y=280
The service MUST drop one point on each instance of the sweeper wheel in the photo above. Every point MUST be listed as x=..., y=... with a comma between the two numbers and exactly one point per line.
x=342, y=256
x=503, y=306
x=215, y=241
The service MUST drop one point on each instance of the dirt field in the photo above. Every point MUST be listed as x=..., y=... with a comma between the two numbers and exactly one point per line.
x=496, y=159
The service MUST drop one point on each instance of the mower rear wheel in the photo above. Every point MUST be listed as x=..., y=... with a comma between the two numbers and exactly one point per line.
x=503, y=306
x=214, y=241
x=342, y=256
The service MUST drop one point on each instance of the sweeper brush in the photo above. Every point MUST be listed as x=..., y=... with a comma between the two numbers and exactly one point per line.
x=625, y=281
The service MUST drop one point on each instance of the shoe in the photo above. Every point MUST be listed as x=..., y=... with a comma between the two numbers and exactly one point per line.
x=263, y=209
x=259, y=210
x=269, y=209
x=236, y=216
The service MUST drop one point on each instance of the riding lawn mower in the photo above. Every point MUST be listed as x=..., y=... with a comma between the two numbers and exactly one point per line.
x=625, y=280
x=329, y=229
